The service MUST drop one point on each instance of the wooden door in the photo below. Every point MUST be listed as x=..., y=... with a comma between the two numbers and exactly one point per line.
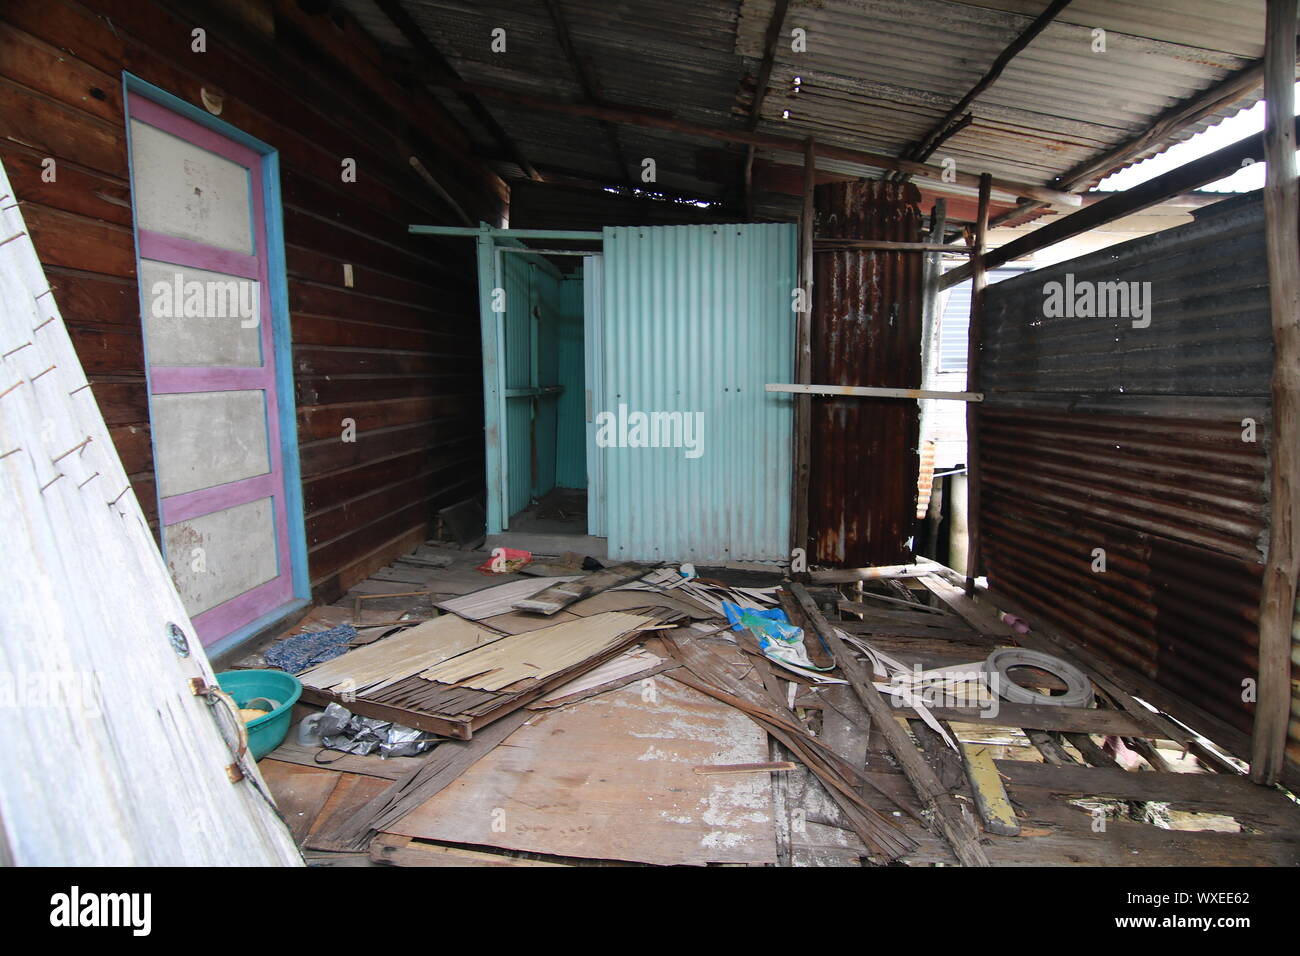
x=214, y=409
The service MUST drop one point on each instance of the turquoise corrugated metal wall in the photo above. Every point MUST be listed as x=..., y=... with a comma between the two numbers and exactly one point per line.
x=518, y=351
x=698, y=319
x=532, y=310
x=546, y=322
x=571, y=434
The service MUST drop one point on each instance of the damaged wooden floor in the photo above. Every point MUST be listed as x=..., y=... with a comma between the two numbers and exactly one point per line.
x=666, y=752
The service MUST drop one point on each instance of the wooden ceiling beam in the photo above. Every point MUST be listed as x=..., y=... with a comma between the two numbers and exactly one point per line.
x=434, y=59
x=938, y=133
x=961, y=182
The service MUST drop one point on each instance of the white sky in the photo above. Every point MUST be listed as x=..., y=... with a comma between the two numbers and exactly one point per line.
x=1228, y=132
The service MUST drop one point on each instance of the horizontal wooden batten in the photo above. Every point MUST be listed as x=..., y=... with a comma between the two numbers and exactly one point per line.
x=865, y=391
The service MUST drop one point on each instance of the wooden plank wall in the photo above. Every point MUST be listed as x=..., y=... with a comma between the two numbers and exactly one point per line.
x=398, y=353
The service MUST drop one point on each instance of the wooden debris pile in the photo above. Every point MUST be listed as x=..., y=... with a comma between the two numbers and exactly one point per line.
x=640, y=726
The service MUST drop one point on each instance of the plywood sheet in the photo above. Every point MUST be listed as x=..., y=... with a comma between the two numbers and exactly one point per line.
x=299, y=792
x=499, y=599
x=372, y=668
x=613, y=778
x=537, y=654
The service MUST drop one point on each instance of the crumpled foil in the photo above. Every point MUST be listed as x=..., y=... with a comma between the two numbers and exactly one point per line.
x=340, y=729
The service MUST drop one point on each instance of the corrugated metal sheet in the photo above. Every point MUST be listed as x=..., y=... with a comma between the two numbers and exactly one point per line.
x=1209, y=334
x=698, y=319
x=879, y=73
x=571, y=435
x=517, y=273
x=866, y=330
x=876, y=74
x=1095, y=434
x=954, y=323
x=546, y=331
x=531, y=360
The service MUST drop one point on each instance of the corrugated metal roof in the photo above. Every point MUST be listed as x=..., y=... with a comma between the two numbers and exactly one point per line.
x=876, y=75
x=879, y=73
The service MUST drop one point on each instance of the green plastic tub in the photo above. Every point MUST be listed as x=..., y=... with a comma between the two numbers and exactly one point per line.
x=265, y=733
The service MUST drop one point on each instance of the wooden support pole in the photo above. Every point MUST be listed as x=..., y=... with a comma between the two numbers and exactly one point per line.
x=890, y=245
x=803, y=354
x=974, y=342
x=1277, y=599
x=874, y=391
x=937, y=803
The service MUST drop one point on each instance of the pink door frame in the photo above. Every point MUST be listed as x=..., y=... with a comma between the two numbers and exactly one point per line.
x=232, y=615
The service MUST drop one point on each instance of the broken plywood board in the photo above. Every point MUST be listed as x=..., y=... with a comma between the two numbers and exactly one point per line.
x=391, y=850
x=633, y=599
x=497, y=599
x=369, y=669
x=452, y=711
x=623, y=668
x=537, y=654
x=299, y=792
x=613, y=778
x=564, y=592
x=520, y=622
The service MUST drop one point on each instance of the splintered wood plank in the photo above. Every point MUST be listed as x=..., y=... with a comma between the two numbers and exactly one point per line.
x=396, y=850
x=1055, y=833
x=1236, y=796
x=1043, y=717
x=353, y=792
x=612, y=778
x=990, y=796
x=299, y=792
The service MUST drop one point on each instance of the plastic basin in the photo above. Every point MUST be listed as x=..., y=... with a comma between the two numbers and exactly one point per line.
x=265, y=733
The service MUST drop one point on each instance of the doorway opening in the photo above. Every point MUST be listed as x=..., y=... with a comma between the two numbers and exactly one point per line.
x=541, y=312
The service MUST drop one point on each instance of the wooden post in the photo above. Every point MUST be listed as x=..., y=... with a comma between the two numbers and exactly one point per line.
x=974, y=342
x=803, y=353
x=1277, y=599
x=937, y=803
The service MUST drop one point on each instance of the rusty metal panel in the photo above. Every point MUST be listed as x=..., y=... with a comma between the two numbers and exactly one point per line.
x=1137, y=440
x=866, y=330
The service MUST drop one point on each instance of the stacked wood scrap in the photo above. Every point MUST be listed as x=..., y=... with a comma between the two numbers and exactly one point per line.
x=452, y=677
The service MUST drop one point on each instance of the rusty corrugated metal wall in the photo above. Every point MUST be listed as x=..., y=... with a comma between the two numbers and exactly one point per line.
x=866, y=330
x=1097, y=434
